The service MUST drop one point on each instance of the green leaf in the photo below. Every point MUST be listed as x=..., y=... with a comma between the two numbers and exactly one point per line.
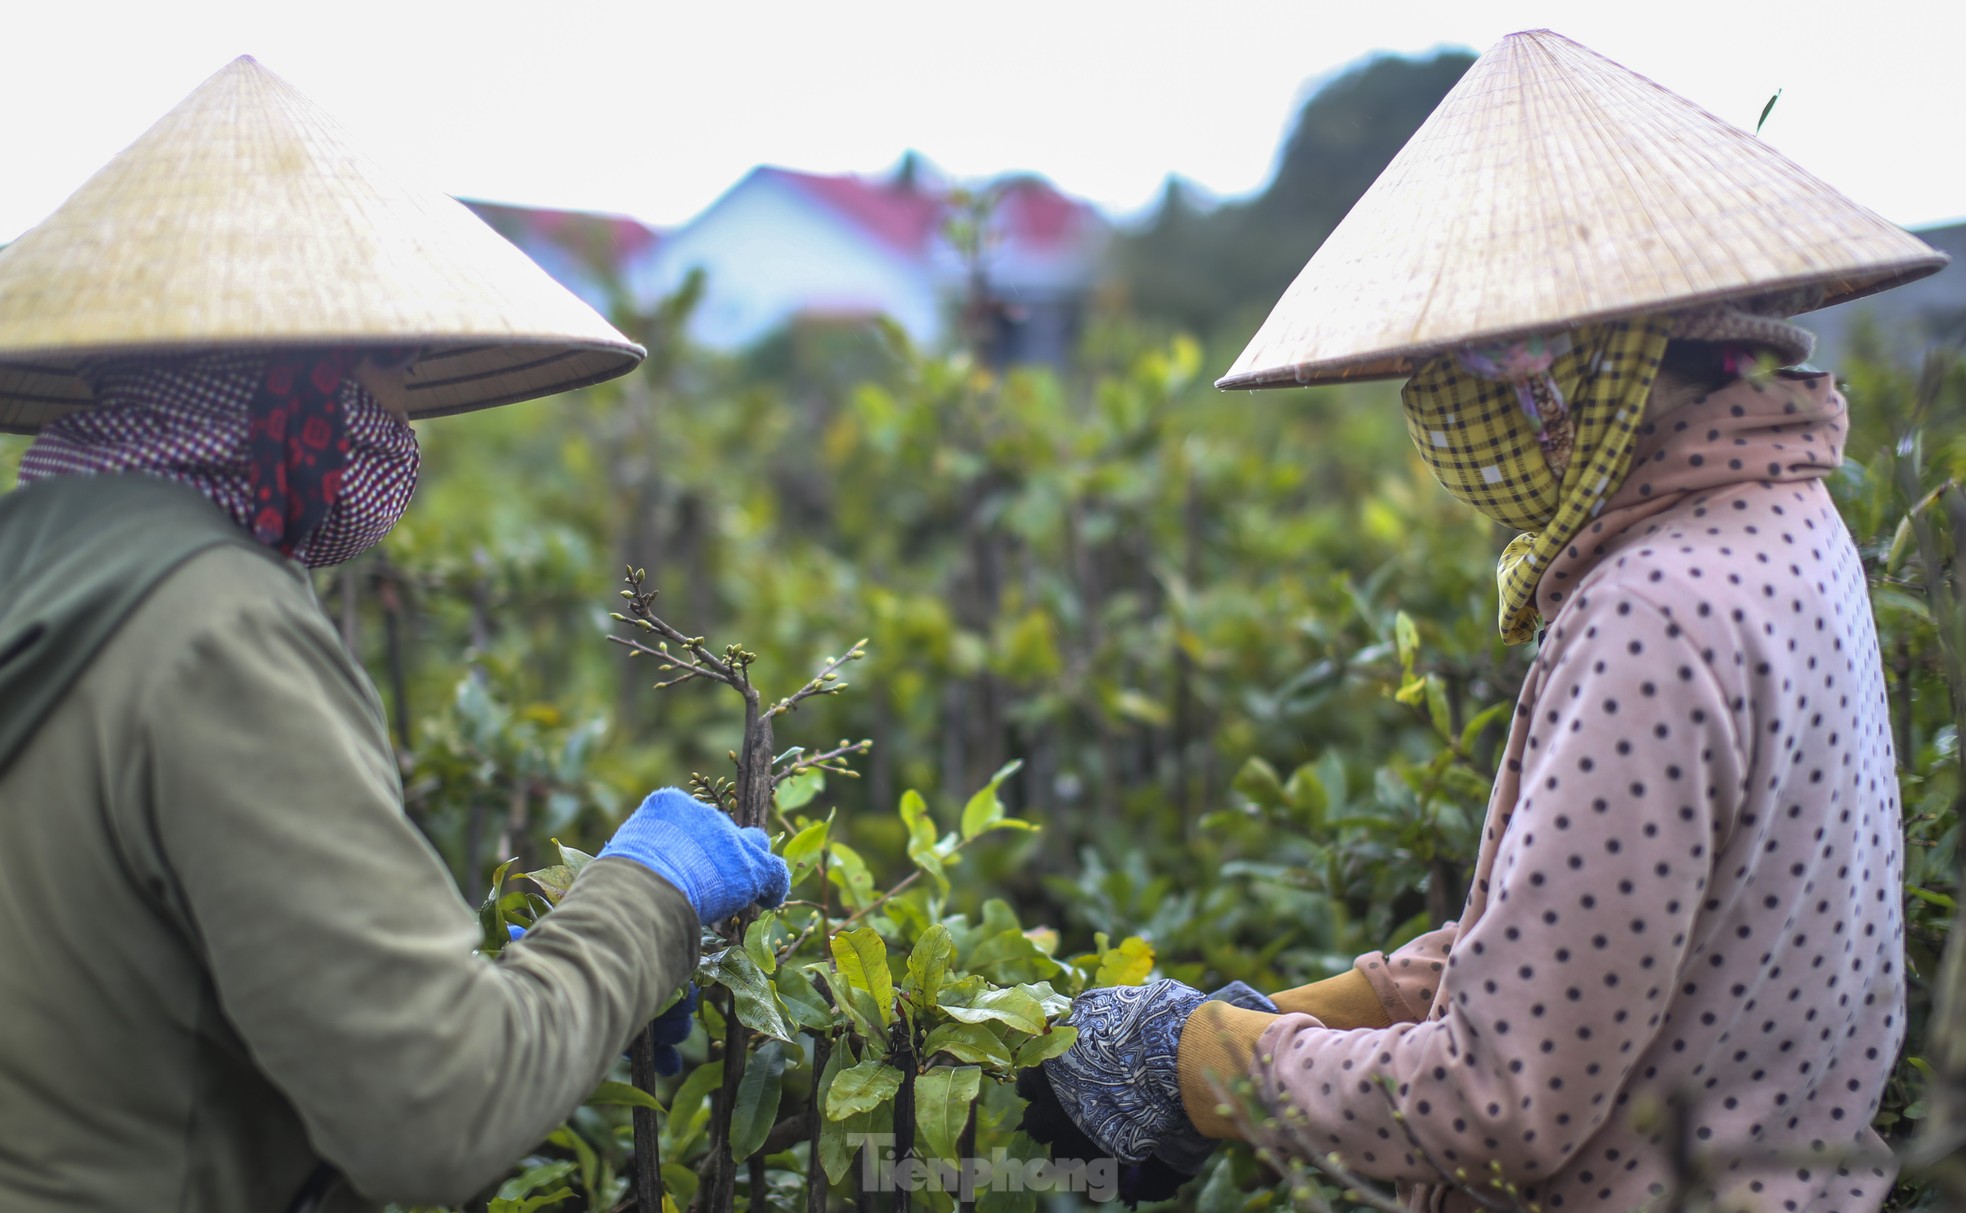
x=803, y=1005
x=922, y=839
x=798, y=791
x=984, y=810
x=1044, y=1048
x=553, y=880
x=1052, y=1001
x=755, y=1109
x=803, y=849
x=915, y=816
x=621, y=1094
x=531, y=1180
x=584, y=1154
x=942, y=1099
x=850, y=873
x=1013, y=1007
x=833, y=1153
x=491, y=914
x=1258, y=783
x=1306, y=795
x=1010, y=956
x=858, y=1005
x=1331, y=774
x=1127, y=965
x=928, y=966
x=860, y=1088
x=1220, y=1193
x=530, y=1204
x=973, y=1042
x=689, y=1109
x=1437, y=710
x=1472, y=731
x=1931, y=898
x=498, y=879
x=909, y=913
x=1407, y=638
x=750, y=992
x=1765, y=111
x=680, y=1184
x=1140, y=708
x=1890, y=596
x=861, y=957
x=757, y=942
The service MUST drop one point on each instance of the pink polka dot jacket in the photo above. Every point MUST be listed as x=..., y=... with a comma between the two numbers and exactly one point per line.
x=1685, y=909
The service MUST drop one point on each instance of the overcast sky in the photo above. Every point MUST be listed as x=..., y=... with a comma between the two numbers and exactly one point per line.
x=654, y=108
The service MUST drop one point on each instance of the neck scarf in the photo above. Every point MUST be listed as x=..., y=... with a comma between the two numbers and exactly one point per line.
x=1536, y=435
x=1785, y=429
x=291, y=446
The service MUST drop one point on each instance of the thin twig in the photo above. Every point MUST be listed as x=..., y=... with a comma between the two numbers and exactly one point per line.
x=811, y=925
x=883, y=899
x=829, y=761
x=823, y=683
x=690, y=670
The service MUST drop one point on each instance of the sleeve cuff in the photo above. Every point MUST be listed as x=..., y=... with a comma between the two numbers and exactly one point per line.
x=1216, y=1044
x=1346, y=1001
x=1373, y=969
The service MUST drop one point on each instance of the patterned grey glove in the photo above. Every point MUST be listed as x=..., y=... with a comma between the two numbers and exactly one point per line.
x=1119, y=1082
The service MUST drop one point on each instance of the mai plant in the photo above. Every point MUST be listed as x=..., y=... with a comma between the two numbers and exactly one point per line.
x=852, y=1017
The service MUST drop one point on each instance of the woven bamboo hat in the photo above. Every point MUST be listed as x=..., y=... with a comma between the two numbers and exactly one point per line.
x=1553, y=188
x=244, y=219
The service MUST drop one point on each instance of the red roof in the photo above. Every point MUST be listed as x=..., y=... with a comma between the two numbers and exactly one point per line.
x=1028, y=210
x=902, y=216
x=1031, y=212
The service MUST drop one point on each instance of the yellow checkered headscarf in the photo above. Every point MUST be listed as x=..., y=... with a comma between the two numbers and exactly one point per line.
x=1536, y=435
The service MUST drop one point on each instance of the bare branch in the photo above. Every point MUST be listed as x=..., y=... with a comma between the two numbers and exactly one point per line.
x=828, y=761
x=826, y=682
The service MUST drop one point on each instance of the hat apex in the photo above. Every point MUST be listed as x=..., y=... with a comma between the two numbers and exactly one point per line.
x=244, y=219
x=1551, y=188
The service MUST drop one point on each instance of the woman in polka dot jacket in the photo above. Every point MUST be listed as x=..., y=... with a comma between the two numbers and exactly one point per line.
x=1678, y=979
x=1687, y=892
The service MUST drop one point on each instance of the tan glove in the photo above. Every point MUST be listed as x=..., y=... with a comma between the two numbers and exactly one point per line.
x=1218, y=1039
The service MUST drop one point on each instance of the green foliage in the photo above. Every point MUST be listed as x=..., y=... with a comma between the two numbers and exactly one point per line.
x=1160, y=681
x=1242, y=649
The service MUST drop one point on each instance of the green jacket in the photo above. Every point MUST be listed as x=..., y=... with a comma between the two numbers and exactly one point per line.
x=227, y=956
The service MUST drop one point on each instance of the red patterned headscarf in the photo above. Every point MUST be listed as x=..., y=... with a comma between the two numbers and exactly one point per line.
x=291, y=446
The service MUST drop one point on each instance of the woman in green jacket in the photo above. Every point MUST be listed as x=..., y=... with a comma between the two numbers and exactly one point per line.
x=235, y=976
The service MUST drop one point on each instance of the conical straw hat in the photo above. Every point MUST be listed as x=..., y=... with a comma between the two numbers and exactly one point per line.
x=1552, y=188
x=244, y=218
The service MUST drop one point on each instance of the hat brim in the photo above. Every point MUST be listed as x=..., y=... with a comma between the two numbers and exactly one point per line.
x=244, y=220
x=1553, y=188
x=443, y=382
x=1401, y=362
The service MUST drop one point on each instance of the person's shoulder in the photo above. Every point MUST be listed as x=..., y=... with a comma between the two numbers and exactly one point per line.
x=232, y=592
x=1704, y=550
x=1673, y=599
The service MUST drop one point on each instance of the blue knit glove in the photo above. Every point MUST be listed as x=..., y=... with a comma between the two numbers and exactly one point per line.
x=720, y=868
x=1119, y=1083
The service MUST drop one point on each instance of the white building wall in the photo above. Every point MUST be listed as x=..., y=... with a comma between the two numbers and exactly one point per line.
x=769, y=252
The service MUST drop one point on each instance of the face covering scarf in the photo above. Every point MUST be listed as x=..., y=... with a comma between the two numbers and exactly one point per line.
x=1536, y=435
x=291, y=446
